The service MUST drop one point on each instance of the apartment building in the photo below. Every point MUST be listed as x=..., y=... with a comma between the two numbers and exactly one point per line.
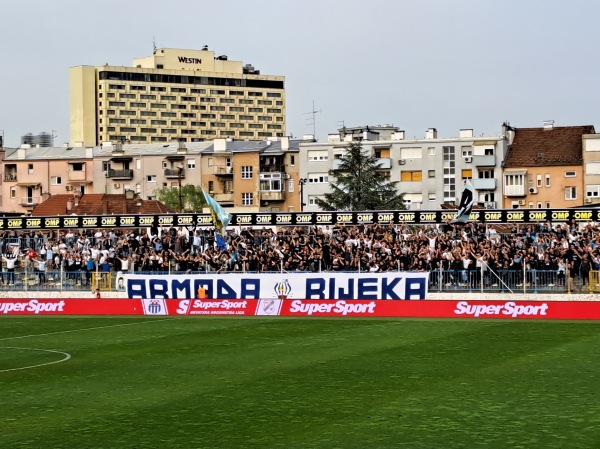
x=146, y=168
x=175, y=94
x=430, y=171
x=544, y=167
x=31, y=175
x=253, y=176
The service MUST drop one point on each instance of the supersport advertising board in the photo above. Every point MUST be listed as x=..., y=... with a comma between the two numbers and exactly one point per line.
x=569, y=310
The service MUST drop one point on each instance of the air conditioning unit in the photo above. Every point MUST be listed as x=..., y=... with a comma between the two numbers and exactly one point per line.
x=468, y=160
x=116, y=185
x=533, y=190
x=521, y=202
x=490, y=205
x=68, y=188
x=588, y=200
x=401, y=161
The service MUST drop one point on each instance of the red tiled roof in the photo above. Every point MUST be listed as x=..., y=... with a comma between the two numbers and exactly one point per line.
x=539, y=147
x=97, y=204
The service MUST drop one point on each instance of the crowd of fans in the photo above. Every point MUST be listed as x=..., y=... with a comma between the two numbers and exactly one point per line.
x=466, y=252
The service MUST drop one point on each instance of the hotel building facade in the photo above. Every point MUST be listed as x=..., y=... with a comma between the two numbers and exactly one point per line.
x=175, y=94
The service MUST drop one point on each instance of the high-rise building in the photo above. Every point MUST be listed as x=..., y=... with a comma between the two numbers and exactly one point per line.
x=175, y=94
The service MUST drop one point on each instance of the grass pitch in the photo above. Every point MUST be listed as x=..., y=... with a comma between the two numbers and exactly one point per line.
x=191, y=382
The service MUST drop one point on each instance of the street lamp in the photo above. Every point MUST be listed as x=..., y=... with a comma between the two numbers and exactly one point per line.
x=302, y=181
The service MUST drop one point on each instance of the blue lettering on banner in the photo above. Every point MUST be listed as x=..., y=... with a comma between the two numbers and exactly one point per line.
x=343, y=286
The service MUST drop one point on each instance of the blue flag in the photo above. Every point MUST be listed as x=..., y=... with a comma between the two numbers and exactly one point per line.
x=220, y=219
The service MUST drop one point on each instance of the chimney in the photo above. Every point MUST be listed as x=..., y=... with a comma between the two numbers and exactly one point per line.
x=285, y=143
x=104, y=208
x=220, y=145
x=466, y=133
x=69, y=205
x=548, y=125
x=431, y=134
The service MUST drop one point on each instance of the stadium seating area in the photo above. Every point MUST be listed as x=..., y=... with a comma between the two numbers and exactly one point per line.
x=545, y=256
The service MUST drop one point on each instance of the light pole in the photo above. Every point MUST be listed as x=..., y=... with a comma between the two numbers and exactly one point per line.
x=302, y=181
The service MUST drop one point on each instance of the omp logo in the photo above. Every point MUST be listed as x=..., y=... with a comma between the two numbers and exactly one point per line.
x=154, y=307
x=508, y=309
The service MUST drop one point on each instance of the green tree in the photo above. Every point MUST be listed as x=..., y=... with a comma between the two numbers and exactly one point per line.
x=360, y=185
x=192, y=198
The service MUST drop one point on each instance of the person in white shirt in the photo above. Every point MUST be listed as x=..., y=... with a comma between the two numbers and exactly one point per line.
x=10, y=268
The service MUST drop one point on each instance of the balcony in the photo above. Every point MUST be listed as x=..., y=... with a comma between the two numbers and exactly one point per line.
x=174, y=173
x=384, y=163
x=515, y=190
x=30, y=201
x=484, y=184
x=76, y=175
x=224, y=199
x=119, y=174
x=272, y=168
x=10, y=177
x=484, y=160
x=223, y=170
x=272, y=196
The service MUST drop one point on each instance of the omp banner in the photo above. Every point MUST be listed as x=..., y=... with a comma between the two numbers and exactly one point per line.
x=556, y=310
x=347, y=286
x=300, y=218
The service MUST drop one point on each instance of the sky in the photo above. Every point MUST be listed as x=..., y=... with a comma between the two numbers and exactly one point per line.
x=414, y=64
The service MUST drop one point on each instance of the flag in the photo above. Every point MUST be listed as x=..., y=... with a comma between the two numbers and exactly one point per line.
x=466, y=204
x=220, y=219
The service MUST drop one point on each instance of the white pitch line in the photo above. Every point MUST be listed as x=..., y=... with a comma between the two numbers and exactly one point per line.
x=84, y=329
x=66, y=354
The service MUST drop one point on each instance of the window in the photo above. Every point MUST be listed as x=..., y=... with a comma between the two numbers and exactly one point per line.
x=246, y=172
x=30, y=169
x=270, y=182
x=191, y=164
x=467, y=174
x=158, y=89
x=411, y=176
x=137, y=88
x=538, y=180
x=318, y=178
x=466, y=151
x=127, y=96
x=137, y=121
x=158, y=122
x=147, y=97
x=431, y=173
x=13, y=192
x=179, y=90
x=318, y=155
x=137, y=104
x=570, y=174
x=431, y=151
x=431, y=196
x=247, y=199
x=168, y=114
x=211, y=187
x=56, y=180
x=571, y=193
x=168, y=97
x=411, y=153
x=486, y=174
x=592, y=191
x=77, y=166
x=151, y=178
x=105, y=166
x=148, y=113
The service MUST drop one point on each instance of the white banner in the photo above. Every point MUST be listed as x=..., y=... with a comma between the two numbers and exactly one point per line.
x=388, y=285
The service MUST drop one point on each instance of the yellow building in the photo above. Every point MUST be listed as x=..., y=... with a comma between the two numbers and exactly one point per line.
x=175, y=94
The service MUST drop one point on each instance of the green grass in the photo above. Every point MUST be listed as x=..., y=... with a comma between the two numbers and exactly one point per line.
x=195, y=382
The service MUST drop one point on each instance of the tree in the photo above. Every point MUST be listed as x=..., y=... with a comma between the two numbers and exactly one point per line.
x=192, y=199
x=360, y=185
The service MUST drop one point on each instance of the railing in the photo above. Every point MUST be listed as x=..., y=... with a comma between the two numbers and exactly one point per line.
x=175, y=173
x=465, y=281
x=127, y=173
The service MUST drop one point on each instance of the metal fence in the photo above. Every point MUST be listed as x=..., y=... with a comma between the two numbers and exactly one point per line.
x=468, y=281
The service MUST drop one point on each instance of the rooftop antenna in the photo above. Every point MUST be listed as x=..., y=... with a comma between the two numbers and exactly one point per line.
x=312, y=120
x=153, y=44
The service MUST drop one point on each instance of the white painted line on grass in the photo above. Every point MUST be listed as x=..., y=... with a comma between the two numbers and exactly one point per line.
x=66, y=357
x=84, y=329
